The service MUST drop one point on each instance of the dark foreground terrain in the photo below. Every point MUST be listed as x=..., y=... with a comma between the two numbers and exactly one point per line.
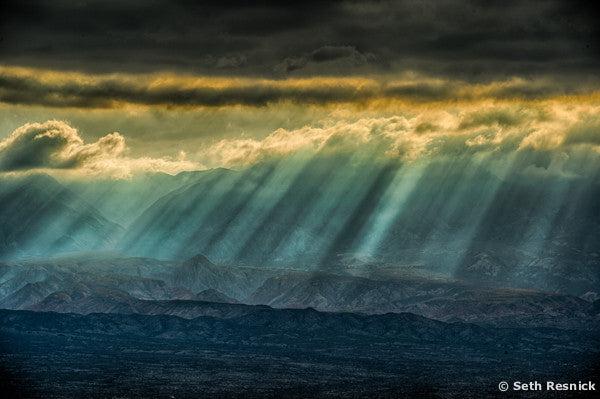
x=281, y=353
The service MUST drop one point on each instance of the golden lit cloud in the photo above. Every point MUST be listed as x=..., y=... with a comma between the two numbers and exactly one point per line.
x=237, y=122
x=493, y=130
x=70, y=89
x=56, y=145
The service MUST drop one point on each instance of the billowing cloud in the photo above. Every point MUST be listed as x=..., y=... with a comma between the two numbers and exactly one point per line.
x=492, y=131
x=56, y=145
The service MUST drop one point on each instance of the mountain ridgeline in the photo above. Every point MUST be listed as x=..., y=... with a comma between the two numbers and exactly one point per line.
x=274, y=352
x=447, y=218
x=111, y=283
x=64, y=318
x=39, y=216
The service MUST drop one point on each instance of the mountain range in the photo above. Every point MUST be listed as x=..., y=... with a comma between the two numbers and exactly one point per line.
x=302, y=271
x=39, y=216
x=463, y=223
x=110, y=283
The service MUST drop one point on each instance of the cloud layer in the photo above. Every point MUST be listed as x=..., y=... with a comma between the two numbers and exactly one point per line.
x=551, y=138
x=56, y=145
x=63, y=89
x=452, y=38
x=543, y=136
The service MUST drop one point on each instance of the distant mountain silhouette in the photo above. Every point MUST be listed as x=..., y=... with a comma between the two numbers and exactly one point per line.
x=39, y=216
x=441, y=300
x=109, y=284
x=211, y=295
x=540, y=233
x=451, y=218
x=200, y=274
x=122, y=201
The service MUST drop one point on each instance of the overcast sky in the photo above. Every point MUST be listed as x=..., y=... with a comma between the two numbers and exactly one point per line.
x=471, y=39
x=182, y=84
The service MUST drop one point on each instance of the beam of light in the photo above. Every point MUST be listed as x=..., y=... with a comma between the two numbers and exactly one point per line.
x=581, y=200
x=176, y=221
x=388, y=208
x=457, y=217
x=223, y=220
x=122, y=201
x=333, y=204
x=54, y=220
x=288, y=212
x=244, y=223
x=417, y=219
x=359, y=212
x=198, y=208
x=238, y=240
x=560, y=225
x=515, y=223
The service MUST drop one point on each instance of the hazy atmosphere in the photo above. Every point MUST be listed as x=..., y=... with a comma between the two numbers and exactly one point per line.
x=440, y=158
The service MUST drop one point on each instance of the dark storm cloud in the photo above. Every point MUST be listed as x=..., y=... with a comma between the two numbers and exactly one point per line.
x=344, y=57
x=108, y=92
x=27, y=86
x=475, y=39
